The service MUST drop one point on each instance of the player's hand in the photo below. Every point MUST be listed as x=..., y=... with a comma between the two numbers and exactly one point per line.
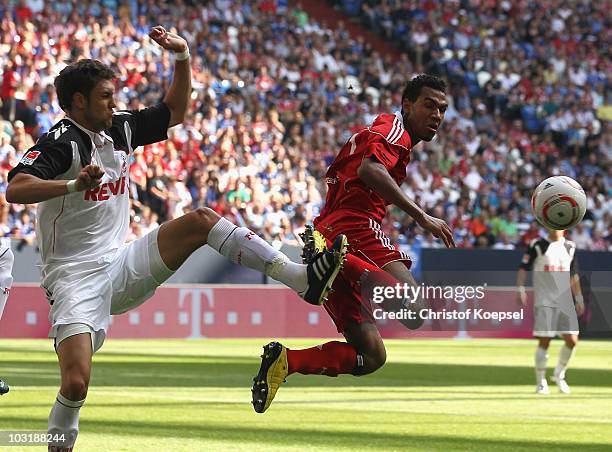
x=167, y=40
x=89, y=177
x=521, y=299
x=579, y=309
x=438, y=228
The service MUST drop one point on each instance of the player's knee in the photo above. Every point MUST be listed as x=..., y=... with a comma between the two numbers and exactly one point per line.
x=571, y=341
x=544, y=343
x=380, y=358
x=201, y=221
x=75, y=385
x=372, y=361
x=205, y=218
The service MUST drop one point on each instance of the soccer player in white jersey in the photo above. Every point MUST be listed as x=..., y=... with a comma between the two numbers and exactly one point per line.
x=79, y=174
x=6, y=279
x=556, y=286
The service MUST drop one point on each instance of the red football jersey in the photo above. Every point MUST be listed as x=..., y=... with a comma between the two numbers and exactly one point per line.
x=387, y=141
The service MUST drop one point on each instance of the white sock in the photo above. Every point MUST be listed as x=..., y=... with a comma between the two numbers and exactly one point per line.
x=243, y=247
x=64, y=420
x=541, y=358
x=564, y=357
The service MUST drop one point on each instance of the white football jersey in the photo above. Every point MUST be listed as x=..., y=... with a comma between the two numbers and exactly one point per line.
x=553, y=264
x=88, y=226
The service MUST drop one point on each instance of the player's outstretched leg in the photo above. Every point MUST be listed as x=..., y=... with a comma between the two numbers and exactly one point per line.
x=4, y=388
x=179, y=238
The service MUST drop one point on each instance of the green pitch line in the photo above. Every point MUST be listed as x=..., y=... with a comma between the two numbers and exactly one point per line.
x=431, y=395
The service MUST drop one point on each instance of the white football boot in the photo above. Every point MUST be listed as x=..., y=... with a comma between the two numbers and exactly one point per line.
x=561, y=384
x=542, y=387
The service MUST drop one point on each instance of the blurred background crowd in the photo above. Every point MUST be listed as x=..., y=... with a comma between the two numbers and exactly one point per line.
x=277, y=94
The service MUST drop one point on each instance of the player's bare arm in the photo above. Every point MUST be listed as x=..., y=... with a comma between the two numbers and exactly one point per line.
x=521, y=296
x=577, y=293
x=376, y=176
x=28, y=189
x=177, y=98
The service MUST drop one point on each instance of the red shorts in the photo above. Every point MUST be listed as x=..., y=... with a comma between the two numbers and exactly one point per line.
x=371, y=250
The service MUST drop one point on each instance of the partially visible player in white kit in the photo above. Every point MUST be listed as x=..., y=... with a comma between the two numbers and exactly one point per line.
x=79, y=174
x=556, y=286
x=6, y=280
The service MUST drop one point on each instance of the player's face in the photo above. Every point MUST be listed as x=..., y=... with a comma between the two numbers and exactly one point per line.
x=100, y=106
x=423, y=117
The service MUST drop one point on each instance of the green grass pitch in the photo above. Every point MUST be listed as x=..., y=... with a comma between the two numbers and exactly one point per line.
x=433, y=395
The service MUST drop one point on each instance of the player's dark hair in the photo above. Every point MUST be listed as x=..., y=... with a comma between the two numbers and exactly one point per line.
x=413, y=88
x=80, y=77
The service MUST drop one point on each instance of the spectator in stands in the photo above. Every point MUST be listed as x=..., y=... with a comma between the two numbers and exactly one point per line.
x=274, y=93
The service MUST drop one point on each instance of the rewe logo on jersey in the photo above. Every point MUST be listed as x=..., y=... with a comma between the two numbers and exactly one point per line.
x=106, y=190
x=29, y=157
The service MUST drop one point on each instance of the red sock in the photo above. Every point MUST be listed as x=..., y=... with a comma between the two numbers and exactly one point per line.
x=331, y=359
x=354, y=269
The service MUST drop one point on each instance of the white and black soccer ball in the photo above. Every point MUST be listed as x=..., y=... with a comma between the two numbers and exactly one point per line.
x=559, y=202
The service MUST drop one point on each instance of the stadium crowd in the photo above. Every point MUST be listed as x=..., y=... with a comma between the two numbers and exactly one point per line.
x=276, y=95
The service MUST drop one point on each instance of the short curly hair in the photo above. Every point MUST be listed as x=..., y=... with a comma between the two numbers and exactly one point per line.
x=413, y=88
x=80, y=77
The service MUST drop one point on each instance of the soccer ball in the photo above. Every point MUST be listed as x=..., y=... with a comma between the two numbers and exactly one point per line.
x=559, y=203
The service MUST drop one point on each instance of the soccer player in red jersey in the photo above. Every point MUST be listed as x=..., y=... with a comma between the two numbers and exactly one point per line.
x=362, y=181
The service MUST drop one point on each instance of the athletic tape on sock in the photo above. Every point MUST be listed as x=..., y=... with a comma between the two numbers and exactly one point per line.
x=219, y=233
x=69, y=403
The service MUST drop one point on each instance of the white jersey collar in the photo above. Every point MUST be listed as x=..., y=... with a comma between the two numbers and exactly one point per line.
x=98, y=139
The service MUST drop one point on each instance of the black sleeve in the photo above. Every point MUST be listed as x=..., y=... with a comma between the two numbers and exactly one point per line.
x=45, y=160
x=149, y=125
x=529, y=256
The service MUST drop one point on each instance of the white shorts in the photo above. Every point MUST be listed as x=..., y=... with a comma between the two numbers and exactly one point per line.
x=65, y=331
x=88, y=293
x=551, y=322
